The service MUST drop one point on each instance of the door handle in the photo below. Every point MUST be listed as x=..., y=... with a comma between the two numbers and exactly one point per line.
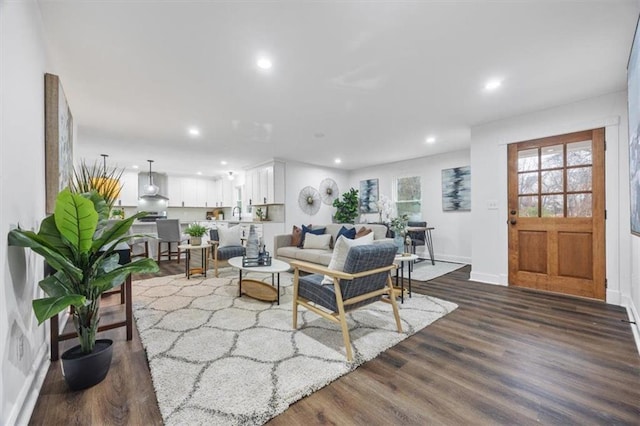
x=512, y=221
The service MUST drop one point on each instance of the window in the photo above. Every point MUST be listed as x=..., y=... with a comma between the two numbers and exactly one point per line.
x=409, y=197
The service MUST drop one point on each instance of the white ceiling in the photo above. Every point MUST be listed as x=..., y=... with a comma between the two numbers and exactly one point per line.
x=363, y=81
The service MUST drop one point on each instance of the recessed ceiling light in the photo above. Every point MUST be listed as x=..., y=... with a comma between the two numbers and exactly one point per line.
x=194, y=131
x=431, y=139
x=135, y=166
x=492, y=84
x=337, y=161
x=264, y=63
x=224, y=163
x=199, y=173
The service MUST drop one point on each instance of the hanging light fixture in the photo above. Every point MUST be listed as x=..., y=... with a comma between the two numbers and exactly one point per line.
x=107, y=183
x=231, y=176
x=151, y=189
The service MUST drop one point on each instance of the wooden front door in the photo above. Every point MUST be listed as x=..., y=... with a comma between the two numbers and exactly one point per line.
x=556, y=214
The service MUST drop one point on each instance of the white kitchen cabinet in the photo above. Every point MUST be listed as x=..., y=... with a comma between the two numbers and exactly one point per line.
x=175, y=191
x=228, y=193
x=265, y=184
x=211, y=196
x=189, y=192
x=128, y=190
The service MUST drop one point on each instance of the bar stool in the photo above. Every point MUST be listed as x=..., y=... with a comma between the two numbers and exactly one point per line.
x=169, y=233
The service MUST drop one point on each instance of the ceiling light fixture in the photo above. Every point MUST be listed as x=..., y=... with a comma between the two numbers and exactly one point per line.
x=193, y=131
x=135, y=166
x=337, y=161
x=224, y=163
x=264, y=63
x=492, y=84
x=231, y=176
x=199, y=173
x=151, y=189
x=431, y=139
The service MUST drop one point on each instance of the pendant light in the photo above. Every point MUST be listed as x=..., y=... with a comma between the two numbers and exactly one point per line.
x=151, y=189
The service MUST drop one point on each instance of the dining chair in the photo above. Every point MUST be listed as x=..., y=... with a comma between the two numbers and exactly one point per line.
x=169, y=233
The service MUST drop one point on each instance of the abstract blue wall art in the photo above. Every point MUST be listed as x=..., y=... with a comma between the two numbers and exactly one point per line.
x=633, y=93
x=456, y=189
x=369, y=196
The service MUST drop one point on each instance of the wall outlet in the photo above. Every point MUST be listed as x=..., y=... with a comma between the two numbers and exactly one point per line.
x=492, y=205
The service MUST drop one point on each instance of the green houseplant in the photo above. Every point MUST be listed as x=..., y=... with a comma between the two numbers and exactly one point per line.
x=196, y=232
x=347, y=208
x=77, y=243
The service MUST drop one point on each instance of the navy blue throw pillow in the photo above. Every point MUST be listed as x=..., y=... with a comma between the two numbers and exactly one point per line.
x=305, y=229
x=348, y=233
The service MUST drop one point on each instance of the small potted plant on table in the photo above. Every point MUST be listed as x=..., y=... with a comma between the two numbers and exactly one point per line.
x=196, y=232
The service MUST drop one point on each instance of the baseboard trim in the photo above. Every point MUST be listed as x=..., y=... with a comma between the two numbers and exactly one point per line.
x=632, y=313
x=485, y=278
x=453, y=259
x=28, y=396
x=613, y=297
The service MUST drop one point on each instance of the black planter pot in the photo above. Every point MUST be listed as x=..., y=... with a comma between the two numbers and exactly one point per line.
x=82, y=371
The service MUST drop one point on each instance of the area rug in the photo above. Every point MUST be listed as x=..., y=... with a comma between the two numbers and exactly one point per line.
x=216, y=358
x=425, y=271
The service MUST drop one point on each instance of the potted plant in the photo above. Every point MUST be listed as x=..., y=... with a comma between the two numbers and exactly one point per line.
x=399, y=227
x=196, y=232
x=347, y=209
x=261, y=214
x=79, y=244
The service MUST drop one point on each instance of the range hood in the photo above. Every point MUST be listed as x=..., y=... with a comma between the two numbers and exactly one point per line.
x=159, y=179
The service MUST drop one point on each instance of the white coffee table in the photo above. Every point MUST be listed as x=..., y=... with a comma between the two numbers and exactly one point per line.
x=258, y=289
x=401, y=259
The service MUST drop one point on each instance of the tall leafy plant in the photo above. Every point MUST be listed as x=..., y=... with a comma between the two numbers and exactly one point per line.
x=101, y=179
x=79, y=245
x=347, y=208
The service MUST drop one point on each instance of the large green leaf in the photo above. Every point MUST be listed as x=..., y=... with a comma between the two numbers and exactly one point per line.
x=50, y=306
x=49, y=232
x=22, y=238
x=56, y=285
x=76, y=219
x=116, y=230
x=117, y=276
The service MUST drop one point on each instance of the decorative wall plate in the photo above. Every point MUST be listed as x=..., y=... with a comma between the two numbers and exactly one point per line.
x=328, y=191
x=309, y=200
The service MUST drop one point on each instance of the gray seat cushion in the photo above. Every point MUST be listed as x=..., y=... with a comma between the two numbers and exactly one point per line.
x=228, y=252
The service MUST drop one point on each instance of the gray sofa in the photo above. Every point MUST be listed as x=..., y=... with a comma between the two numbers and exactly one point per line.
x=284, y=250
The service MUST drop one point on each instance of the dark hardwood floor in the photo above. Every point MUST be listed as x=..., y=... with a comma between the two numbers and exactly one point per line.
x=505, y=356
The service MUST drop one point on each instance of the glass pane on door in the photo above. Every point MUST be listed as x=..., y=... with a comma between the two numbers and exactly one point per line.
x=552, y=157
x=528, y=206
x=528, y=183
x=579, y=153
x=528, y=160
x=552, y=206
x=579, y=179
x=552, y=181
x=579, y=205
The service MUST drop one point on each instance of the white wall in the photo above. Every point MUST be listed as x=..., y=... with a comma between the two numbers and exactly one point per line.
x=489, y=171
x=23, y=342
x=452, y=236
x=299, y=175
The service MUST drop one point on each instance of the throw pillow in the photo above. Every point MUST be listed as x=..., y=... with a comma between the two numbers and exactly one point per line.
x=321, y=242
x=307, y=229
x=229, y=236
x=349, y=233
x=296, y=236
x=340, y=252
x=362, y=232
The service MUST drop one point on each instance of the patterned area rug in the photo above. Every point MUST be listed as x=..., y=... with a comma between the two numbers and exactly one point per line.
x=216, y=358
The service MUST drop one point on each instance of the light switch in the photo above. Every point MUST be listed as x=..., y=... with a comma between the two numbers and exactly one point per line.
x=492, y=205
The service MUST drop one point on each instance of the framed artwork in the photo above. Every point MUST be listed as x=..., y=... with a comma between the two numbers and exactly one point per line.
x=58, y=140
x=633, y=93
x=369, y=196
x=456, y=189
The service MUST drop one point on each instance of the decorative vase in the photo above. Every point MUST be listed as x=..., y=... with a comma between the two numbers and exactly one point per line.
x=399, y=242
x=81, y=370
x=253, y=246
x=196, y=241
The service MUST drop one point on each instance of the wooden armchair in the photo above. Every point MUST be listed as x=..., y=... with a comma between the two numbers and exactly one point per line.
x=221, y=255
x=366, y=279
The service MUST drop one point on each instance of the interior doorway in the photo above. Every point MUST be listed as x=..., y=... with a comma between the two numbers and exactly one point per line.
x=556, y=214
